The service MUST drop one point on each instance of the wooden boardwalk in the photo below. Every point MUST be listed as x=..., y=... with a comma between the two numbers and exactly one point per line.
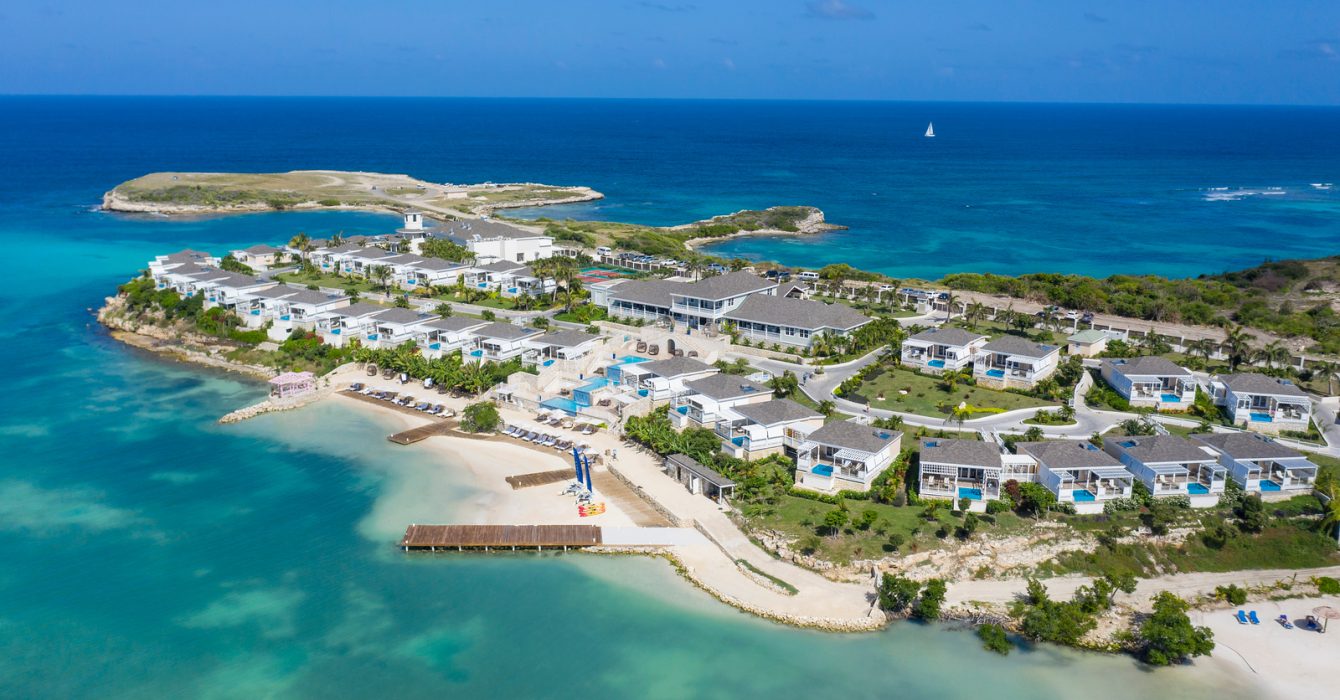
x=423, y=432
x=525, y=481
x=449, y=537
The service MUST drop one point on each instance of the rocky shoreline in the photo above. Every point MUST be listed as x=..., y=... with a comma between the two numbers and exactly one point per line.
x=809, y=226
x=175, y=343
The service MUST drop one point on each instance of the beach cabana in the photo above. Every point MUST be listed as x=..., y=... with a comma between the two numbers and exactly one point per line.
x=290, y=384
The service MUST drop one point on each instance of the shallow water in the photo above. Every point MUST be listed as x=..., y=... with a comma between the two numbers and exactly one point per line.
x=151, y=552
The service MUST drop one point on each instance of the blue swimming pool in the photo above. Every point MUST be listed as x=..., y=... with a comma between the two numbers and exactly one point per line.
x=476, y=353
x=597, y=383
x=435, y=346
x=936, y=363
x=738, y=441
x=1171, y=398
x=997, y=373
x=1082, y=496
x=632, y=360
x=565, y=405
x=1261, y=417
x=1268, y=485
x=971, y=493
x=683, y=410
x=1197, y=489
x=822, y=469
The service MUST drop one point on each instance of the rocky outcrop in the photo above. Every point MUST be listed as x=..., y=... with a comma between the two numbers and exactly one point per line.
x=156, y=334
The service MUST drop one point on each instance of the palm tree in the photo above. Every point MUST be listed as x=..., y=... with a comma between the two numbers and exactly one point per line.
x=1237, y=340
x=950, y=299
x=1203, y=347
x=973, y=314
x=382, y=275
x=951, y=378
x=1323, y=368
x=1330, y=519
x=827, y=408
x=301, y=243
x=959, y=414
x=1273, y=352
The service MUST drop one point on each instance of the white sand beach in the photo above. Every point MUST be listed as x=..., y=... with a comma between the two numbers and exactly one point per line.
x=1286, y=663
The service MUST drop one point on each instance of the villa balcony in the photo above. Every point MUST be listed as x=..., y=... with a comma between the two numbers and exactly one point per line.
x=936, y=486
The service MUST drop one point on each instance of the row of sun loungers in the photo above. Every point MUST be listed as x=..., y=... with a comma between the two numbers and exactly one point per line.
x=1310, y=623
x=538, y=438
x=407, y=401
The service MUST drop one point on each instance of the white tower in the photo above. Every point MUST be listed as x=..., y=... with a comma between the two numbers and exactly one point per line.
x=413, y=221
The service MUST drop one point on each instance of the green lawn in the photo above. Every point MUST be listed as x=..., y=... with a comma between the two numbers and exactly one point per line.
x=994, y=330
x=926, y=395
x=802, y=519
x=294, y=278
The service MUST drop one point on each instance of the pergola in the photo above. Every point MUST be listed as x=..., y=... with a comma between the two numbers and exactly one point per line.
x=290, y=384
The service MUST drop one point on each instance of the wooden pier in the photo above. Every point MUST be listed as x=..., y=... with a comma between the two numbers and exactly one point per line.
x=423, y=432
x=489, y=537
x=525, y=481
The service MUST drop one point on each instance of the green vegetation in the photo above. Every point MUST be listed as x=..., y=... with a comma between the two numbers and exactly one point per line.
x=1167, y=635
x=231, y=264
x=165, y=308
x=1277, y=296
x=906, y=391
x=993, y=638
x=481, y=417
x=450, y=370
x=790, y=589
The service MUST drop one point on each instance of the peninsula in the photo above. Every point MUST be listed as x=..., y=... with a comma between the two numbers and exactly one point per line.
x=825, y=448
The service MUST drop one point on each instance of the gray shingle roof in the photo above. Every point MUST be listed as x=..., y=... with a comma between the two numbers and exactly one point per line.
x=1157, y=449
x=1252, y=383
x=187, y=255
x=672, y=367
x=359, y=310
x=1068, y=454
x=371, y=254
x=506, y=331
x=501, y=266
x=276, y=292
x=566, y=339
x=311, y=296
x=262, y=249
x=971, y=453
x=1148, y=366
x=948, y=336
x=403, y=259
x=845, y=433
x=1247, y=446
x=438, y=264
x=655, y=292
x=1014, y=345
x=726, y=386
x=691, y=464
x=775, y=411
x=731, y=284
x=797, y=313
x=403, y=316
x=456, y=324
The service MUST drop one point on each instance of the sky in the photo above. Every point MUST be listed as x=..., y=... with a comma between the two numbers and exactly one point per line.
x=1181, y=51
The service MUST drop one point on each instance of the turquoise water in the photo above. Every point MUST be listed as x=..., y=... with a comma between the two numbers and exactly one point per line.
x=150, y=552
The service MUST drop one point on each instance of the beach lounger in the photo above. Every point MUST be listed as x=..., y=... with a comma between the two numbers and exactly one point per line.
x=588, y=430
x=532, y=436
x=548, y=440
x=509, y=430
x=1242, y=617
x=1252, y=616
x=1284, y=621
x=641, y=346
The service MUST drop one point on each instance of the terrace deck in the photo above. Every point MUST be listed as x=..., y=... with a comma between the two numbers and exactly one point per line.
x=500, y=537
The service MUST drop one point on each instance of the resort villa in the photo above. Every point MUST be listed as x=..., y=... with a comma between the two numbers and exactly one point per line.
x=1079, y=473
x=258, y=256
x=392, y=327
x=1013, y=362
x=565, y=345
x=697, y=478
x=229, y=290
x=444, y=336
x=1261, y=465
x=497, y=342
x=1170, y=465
x=662, y=380
x=755, y=430
x=698, y=304
x=942, y=350
x=1151, y=381
x=1261, y=403
x=288, y=308
x=491, y=241
x=1088, y=343
x=702, y=406
x=843, y=456
x=766, y=318
x=338, y=326
x=971, y=469
x=509, y=278
x=193, y=259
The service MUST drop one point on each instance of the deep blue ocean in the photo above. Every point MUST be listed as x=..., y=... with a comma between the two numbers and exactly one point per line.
x=149, y=552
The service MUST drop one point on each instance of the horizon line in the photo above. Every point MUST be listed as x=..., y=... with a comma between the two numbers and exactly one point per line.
x=1116, y=103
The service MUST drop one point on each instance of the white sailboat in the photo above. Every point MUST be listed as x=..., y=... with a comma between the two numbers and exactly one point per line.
x=930, y=130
